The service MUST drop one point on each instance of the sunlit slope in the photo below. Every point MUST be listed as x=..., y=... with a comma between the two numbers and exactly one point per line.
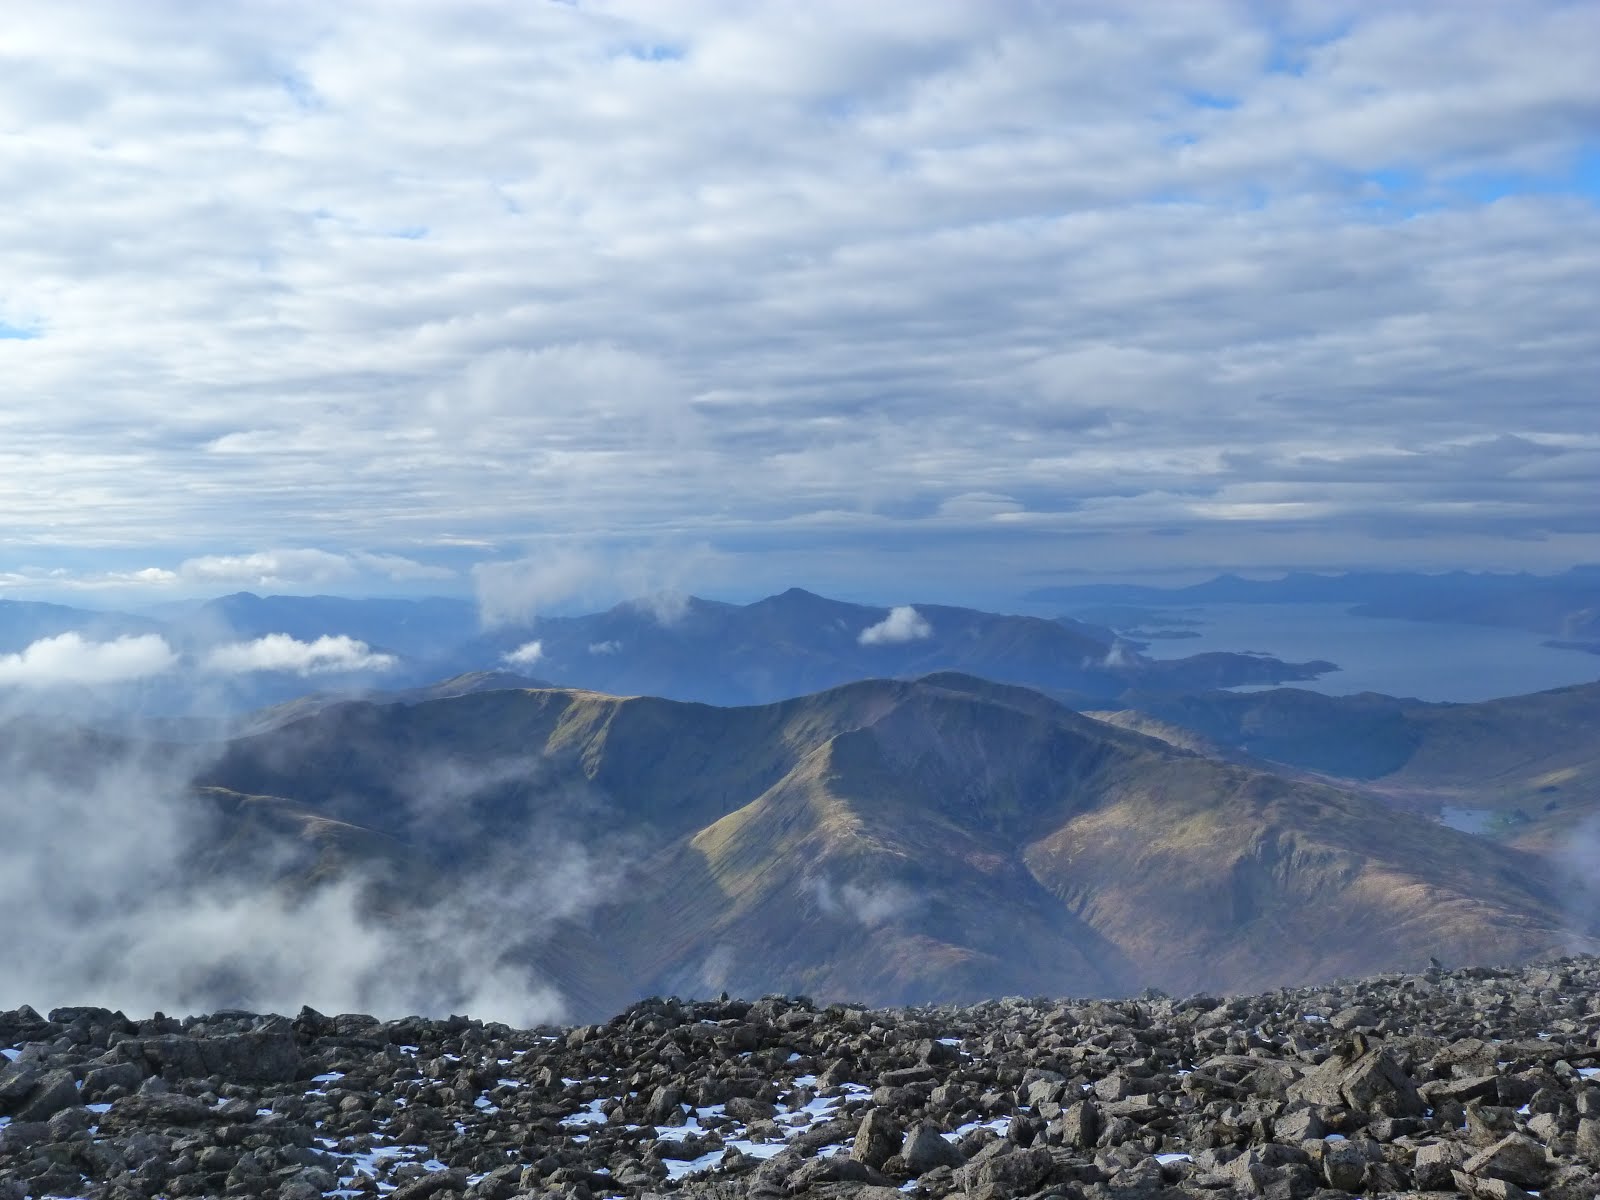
x=902, y=841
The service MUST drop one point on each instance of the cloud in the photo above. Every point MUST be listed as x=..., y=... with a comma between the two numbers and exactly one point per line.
x=607, y=647
x=516, y=591
x=399, y=568
x=60, y=579
x=287, y=569
x=70, y=659
x=326, y=655
x=903, y=624
x=665, y=608
x=292, y=568
x=525, y=655
x=129, y=918
x=587, y=389
x=269, y=568
x=869, y=904
x=944, y=271
x=1118, y=656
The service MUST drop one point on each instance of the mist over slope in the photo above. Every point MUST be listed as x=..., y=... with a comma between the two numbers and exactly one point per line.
x=124, y=884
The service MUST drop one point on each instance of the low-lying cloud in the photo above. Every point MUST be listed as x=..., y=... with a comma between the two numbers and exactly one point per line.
x=516, y=592
x=524, y=655
x=326, y=655
x=70, y=659
x=1118, y=656
x=118, y=891
x=869, y=904
x=903, y=624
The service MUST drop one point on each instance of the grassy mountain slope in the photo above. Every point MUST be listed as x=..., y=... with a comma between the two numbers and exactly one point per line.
x=900, y=841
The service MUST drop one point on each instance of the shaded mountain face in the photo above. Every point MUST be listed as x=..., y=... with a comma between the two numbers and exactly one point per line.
x=884, y=841
x=1518, y=752
x=422, y=629
x=799, y=642
x=25, y=621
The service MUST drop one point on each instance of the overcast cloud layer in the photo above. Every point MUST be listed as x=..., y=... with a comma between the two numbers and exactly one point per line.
x=360, y=295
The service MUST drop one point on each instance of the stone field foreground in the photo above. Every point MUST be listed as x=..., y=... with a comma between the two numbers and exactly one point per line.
x=1480, y=1083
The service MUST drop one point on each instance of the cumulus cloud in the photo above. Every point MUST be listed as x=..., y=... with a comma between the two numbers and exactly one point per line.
x=326, y=655
x=525, y=655
x=71, y=659
x=607, y=647
x=903, y=624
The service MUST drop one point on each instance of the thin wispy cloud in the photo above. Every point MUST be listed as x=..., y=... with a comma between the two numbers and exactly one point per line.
x=1104, y=286
x=280, y=568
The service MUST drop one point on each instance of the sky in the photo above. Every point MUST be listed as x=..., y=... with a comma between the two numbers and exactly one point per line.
x=897, y=299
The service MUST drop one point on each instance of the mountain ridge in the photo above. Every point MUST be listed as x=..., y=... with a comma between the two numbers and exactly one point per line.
x=685, y=648
x=870, y=840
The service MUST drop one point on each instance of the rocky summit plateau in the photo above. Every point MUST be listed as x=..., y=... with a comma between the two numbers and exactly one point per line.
x=1481, y=1082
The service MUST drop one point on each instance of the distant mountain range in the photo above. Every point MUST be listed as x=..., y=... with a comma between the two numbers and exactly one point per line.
x=887, y=841
x=691, y=649
x=1565, y=606
x=1532, y=761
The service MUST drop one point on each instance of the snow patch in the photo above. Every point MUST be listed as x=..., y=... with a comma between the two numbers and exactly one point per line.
x=589, y=1115
x=678, y=1168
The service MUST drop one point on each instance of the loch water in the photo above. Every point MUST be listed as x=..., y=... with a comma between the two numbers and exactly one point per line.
x=1427, y=660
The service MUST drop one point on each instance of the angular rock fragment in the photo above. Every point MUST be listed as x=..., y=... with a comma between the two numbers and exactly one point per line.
x=924, y=1148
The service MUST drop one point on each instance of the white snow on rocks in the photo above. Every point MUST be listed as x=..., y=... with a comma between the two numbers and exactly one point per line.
x=590, y=1114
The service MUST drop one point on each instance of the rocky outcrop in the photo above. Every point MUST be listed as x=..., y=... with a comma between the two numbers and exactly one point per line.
x=1476, y=1083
